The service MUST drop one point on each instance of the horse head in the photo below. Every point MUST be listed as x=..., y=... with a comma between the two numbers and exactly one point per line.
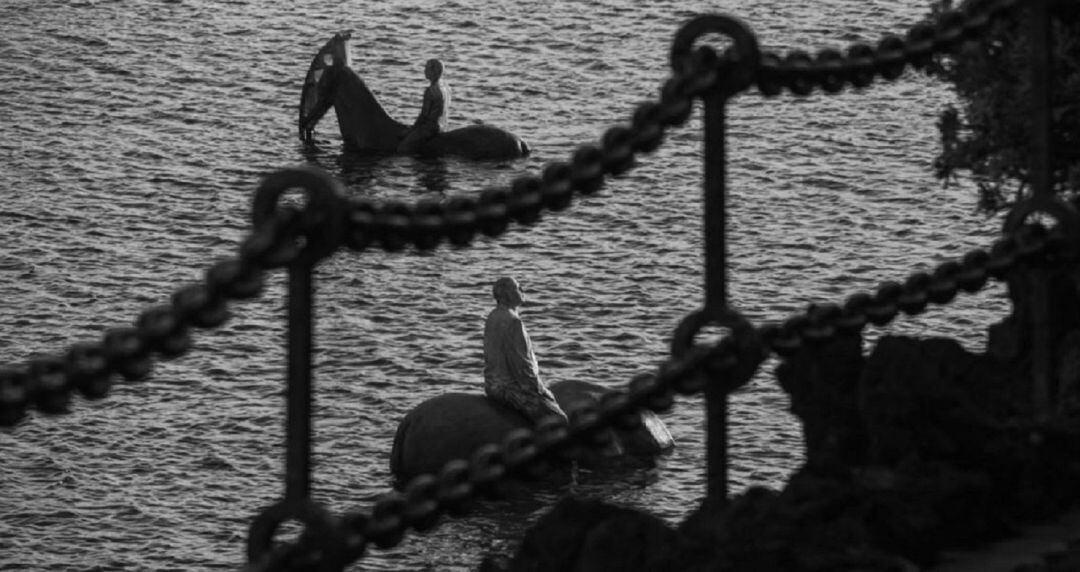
x=317, y=96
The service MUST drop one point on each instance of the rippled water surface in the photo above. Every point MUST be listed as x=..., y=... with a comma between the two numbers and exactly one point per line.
x=133, y=133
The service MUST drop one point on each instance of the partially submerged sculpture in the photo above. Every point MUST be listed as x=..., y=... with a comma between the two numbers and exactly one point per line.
x=453, y=425
x=367, y=128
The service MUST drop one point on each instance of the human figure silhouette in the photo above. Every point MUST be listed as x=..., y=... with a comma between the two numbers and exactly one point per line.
x=511, y=374
x=433, y=111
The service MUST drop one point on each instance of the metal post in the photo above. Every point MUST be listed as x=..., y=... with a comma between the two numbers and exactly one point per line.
x=316, y=232
x=1042, y=353
x=1040, y=91
x=716, y=301
x=298, y=393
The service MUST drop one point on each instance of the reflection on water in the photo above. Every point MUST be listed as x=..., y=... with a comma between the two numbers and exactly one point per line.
x=361, y=172
x=432, y=175
x=132, y=135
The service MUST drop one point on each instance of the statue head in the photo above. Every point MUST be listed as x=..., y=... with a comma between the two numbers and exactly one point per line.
x=507, y=292
x=433, y=69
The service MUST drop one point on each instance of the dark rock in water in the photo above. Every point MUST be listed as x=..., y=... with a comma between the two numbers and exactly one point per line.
x=1003, y=339
x=494, y=563
x=931, y=399
x=815, y=524
x=589, y=535
x=1068, y=374
x=822, y=381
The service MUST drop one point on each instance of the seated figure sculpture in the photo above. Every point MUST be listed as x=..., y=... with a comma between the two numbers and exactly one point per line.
x=511, y=374
x=454, y=425
x=433, y=111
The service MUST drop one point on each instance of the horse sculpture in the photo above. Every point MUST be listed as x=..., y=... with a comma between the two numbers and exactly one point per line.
x=453, y=425
x=367, y=128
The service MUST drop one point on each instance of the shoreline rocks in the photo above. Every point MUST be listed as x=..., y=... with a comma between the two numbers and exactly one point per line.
x=918, y=449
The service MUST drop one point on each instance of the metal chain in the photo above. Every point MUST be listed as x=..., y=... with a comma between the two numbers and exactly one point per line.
x=394, y=225
x=46, y=383
x=162, y=332
x=831, y=69
x=527, y=453
x=968, y=274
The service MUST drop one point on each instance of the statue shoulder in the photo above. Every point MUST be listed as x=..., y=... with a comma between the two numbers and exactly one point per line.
x=503, y=315
x=440, y=90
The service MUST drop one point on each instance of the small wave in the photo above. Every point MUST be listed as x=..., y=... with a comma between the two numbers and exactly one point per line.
x=214, y=462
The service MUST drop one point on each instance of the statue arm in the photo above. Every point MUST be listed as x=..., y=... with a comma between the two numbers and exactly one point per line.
x=425, y=109
x=521, y=359
x=433, y=106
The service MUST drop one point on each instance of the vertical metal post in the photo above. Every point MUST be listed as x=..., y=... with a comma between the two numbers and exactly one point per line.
x=307, y=236
x=716, y=300
x=299, y=393
x=1041, y=351
x=1040, y=91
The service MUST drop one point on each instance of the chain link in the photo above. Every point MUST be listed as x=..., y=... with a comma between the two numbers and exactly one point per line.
x=830, y=70
x=160, y=332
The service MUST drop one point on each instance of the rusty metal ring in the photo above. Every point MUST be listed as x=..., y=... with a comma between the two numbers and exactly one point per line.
x=323, y=219
x=318, y=520
x=683, y=338
x=1064, y=213
x=747, y=50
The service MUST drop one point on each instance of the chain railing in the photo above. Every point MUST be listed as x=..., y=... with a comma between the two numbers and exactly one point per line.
x=284, y=236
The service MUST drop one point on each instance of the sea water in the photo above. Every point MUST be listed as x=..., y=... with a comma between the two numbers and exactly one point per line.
x=133, y=134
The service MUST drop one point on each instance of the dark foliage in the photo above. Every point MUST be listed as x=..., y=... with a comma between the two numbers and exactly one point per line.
x=988, y=134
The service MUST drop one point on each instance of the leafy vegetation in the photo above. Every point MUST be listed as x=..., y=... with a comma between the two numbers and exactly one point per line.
x=988, y=134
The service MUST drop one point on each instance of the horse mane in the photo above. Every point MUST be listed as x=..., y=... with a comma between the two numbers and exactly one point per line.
x=365, y=125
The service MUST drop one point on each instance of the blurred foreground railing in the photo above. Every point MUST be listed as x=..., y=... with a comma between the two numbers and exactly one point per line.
x=287, y=237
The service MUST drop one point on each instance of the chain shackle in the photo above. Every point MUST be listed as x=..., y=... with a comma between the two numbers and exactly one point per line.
x=320, y=228
x=322, y=535
x=743, y=58
x=1061, y=211
x=744, y=345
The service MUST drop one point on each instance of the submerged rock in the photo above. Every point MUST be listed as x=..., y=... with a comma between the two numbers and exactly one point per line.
x=588, y=535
